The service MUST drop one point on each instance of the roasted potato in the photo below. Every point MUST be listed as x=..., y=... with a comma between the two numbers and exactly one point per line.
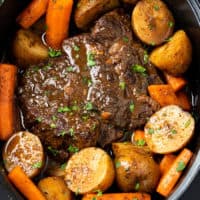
x=24, y=149
x=28, y=49
x=135, y=168
x=88, y=11
x=54, y=188
x=169, y=129
x=89, y=170
x=152, y=21
x=175, y=56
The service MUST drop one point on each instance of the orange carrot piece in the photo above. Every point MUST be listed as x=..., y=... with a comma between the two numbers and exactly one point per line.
x=170, y=178
x=118, y=196
x=32, y=13
x=166, y=162
x=57, y=21
x=105, y=115
x=24, y=184
x=163, y=94
x=8, y=75
x=183, y=100
x=177, y=83
x=139, y=135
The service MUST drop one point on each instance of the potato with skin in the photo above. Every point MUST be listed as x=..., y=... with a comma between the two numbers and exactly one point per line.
x=89, y=170
x=88, y=11
x=54, y=188
x=152, y=21
x=175, y=56
x=28, y=48
x=135, y=168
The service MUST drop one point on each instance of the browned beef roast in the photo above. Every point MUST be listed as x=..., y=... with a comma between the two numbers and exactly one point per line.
x=101, y=71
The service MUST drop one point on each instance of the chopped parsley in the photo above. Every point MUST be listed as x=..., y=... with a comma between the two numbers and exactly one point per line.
x=140, y=142
x=131, y=106
x=152, y=43
x=181, y=166
x=94, y=198
x=90, y=59
x=170, y=24
x=187, y=123
x=54, y=118
x=139, y=69
x=52, y=150
x=156, y=7
x=87, y=81
x=72, y=149
x=99, y=193
x=54, y=53
x=85, y=117
x=88, y=106
x=76, y=48
x=62, y=133
x=125, y=39
x=52, y=125
x=75, y=108
x=39, y=119
x=151, y=131
x=122, y=85
x=137, y=186
x=146, y=57
x=37, y=165
x=64, y=109
x=173, y=131
x=117, y=164
x=71, y=132
x=69, y=69
x=63, y=166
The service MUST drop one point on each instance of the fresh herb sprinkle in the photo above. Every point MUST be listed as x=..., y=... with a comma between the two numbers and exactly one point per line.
x=181, y=166
x=90, y=59
x=54, y=53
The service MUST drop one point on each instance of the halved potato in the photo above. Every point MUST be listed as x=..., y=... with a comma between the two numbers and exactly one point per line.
x=28, y=48
x=25, y=150
x=135, y=168
x=89, y=170
x=54, y=188
x=88, y=11
x=175, y=56
x=169, y=129
x=152, y=21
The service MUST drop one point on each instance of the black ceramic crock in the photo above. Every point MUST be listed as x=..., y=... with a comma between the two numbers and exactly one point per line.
x=187, y=16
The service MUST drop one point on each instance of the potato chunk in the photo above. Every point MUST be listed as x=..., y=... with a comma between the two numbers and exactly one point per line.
x=175, y=56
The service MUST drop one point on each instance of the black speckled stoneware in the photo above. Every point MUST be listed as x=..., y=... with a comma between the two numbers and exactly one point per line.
x=187, y=16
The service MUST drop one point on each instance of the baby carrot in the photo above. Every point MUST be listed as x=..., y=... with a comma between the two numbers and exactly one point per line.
x=57, y=21
x=24, y=184
x=166, y=162
x=170, y=178
x=32, y=13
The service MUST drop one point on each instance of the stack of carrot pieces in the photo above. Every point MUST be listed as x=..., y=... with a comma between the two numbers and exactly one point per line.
x=57, y=18
x=171, y=167
x=170, y=93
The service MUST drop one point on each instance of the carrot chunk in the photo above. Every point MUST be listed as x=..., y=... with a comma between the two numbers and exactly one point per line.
x=57, y=21
x=163, y=94
x=118, y=196
x=8, y=75
x=105, y=115
x=177, y=83
x=32, y=13
x=170, y=178
x=166, y=162
x=24, y=184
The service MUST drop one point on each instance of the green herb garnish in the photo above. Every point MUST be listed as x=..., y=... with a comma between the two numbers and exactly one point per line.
x=181, y=166
x=37, y=165
x=64, y=109
x=140, y=142
x=54, y=53
x=52, y=125
x=76, y=48
x=173, y=131
x=62, y=133
x=137, y=186
x=125, y=39
x=170, y=24
x=151, y=131
x=122, y=85
x=156, y=7
x=39, y=119
x=71, y=132
x=90, y=59
x=187, y=123
x=131, y=106
x=146, y=57
x=99, y=193
x=52, y=150
x=54, y=118
x=69, y=69
x=72, y=149
x=117, y=164
x=88, y=106
x=139, y=69
x=63, y=166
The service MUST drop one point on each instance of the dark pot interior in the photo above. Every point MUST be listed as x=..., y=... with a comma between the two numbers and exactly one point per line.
x=187, y=16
